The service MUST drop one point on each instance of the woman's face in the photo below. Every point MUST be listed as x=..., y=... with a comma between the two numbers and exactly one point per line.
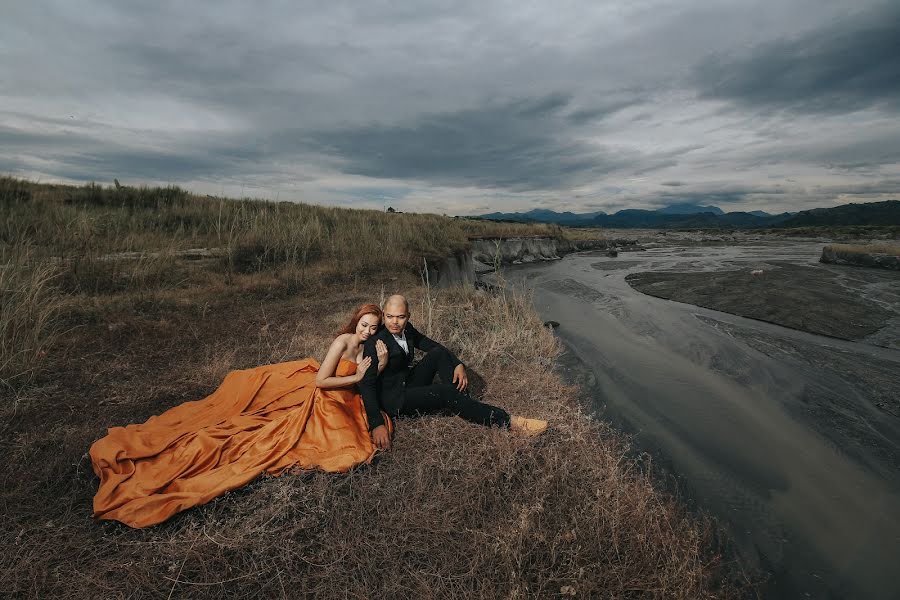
x=367, y=326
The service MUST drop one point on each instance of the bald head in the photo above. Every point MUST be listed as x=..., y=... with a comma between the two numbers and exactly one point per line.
x=396, y=314
x=397, y=301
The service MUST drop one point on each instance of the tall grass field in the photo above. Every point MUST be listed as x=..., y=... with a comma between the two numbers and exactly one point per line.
x=119, y=303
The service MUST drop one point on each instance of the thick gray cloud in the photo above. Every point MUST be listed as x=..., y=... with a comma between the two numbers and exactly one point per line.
x=525, y=145
x=770, y=198
x=85, y=155
x=851, y=64
x=452, y=107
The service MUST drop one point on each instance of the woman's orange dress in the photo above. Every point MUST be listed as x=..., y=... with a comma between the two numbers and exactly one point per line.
x=265, y=419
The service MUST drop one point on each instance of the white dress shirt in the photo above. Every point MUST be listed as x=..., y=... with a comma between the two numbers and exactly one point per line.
x=401, y=340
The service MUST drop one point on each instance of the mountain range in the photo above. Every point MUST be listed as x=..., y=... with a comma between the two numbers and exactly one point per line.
x=685, y=215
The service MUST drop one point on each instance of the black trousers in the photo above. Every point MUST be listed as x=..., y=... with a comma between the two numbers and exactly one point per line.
x=423, y=396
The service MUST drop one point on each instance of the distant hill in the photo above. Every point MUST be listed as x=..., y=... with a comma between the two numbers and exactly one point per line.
x=685, y=208
x=541, y=215
x=705, y=220
x=641, y=218
x=871, y=213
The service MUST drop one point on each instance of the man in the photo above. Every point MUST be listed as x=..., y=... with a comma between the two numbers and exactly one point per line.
x=406, y=389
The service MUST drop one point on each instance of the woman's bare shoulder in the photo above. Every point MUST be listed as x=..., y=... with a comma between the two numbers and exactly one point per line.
x=341, y=341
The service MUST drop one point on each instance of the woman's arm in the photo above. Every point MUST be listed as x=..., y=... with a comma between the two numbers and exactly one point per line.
x=325, y=378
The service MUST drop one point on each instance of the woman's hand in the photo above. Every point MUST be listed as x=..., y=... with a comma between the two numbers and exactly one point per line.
x=362, y=367
x=382, y=352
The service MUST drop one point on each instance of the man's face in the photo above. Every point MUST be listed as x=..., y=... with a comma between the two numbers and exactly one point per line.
x=395, y=318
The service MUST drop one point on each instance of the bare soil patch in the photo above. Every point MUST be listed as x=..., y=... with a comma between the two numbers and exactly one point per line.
x=823, y=300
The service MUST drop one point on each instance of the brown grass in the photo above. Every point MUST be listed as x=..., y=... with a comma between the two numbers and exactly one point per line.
x=478, y=228
x=28, y=311
x=892, y=249
x=100, y=241
x=454, y=510
x=76, y=221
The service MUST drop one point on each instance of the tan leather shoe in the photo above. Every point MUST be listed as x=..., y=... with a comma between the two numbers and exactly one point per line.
x=527, y=426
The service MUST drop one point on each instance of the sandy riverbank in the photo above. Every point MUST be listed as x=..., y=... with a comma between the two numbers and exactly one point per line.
x=788, y=436
x=838, y=301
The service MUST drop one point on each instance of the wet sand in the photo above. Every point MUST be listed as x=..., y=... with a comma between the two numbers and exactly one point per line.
x=824, y=299
x=791, y=439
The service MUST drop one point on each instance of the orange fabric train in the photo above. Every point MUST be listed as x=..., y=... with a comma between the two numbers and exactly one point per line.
x=267, y=419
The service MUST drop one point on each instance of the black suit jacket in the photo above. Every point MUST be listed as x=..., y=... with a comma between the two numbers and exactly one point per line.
x=386, y=391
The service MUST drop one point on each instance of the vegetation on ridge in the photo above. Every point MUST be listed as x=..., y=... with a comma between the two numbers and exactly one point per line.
x=79, y=221
x=60, y=242
x=873, y=248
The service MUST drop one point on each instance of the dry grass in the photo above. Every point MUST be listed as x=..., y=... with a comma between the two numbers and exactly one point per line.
x=99, y=241
x=28, y=311
x=76, y=221
x=892, y=249
x=586, y=233
x=453, y=511
x=478, y=228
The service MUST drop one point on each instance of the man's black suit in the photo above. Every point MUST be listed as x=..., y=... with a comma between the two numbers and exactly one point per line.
x=407, y=389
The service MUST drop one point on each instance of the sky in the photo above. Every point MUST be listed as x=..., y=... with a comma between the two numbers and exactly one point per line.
x=461, y=107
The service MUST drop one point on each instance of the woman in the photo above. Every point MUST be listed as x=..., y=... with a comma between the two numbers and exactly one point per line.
x=265, y=419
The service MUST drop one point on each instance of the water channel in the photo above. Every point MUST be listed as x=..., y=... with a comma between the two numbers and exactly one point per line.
x=772, y=430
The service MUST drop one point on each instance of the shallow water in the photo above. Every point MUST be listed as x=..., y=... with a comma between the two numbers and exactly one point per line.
x=773, y=431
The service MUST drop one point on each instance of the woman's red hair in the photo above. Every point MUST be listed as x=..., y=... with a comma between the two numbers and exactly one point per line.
x=365, y=309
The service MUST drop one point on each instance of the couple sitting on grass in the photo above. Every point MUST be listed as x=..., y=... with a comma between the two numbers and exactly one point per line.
x=295, y=414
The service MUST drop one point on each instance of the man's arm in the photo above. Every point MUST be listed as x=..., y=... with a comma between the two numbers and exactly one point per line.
x=368, y=388
x=426, y=344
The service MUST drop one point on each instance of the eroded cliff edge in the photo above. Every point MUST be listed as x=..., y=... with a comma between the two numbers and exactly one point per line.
x=484, y=255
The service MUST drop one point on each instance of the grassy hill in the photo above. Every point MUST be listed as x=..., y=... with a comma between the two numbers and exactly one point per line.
x=869, y=213
x=107, y=321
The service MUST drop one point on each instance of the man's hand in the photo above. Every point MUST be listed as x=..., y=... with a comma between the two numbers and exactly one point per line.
x=460, y=378
x=381, y=438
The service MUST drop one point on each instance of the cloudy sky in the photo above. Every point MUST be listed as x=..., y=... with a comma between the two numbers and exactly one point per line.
x=461, y=107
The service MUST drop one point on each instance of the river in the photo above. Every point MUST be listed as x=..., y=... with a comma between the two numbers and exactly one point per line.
x=771, y=430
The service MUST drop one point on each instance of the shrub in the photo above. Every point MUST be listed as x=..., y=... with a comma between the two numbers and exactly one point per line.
x=13, y=190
